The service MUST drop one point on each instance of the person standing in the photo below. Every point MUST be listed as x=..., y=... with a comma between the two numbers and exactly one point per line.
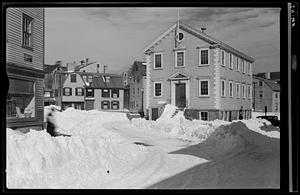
x=241, y=113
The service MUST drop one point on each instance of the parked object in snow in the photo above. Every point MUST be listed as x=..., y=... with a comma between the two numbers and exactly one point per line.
x=273, y=119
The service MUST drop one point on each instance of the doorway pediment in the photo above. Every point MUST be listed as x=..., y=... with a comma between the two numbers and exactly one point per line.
x=179, y=76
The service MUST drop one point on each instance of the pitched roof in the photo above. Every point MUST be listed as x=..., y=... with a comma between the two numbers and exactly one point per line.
x=49, y=68
x=273, y=75
x=202, y=36
x=140, y=65
x=275, y=86
x=99, y=80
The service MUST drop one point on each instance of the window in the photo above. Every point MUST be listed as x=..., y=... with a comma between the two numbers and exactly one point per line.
x=136, y=68
x=27, y=31
x=84, y=78
x=90, y=79
x=238, y=90
x=105, y=105
x=27, y=58
x=157, y=89
x=243, y=91
x=222, y=57
x=230, y=61
x=204, y=57
x=158, y=61
x=67, y=91
x=133, y=91
x=115, y=93
x=89, y=92
x=249, y=92
x=105, y=93
x=249, y=68
x=260, y=83
x=204, y=116
x=179, y=58
x=73, y=78
x=20, y=100
x=261, y=94
x=137, y=79
x=275, y=95
x=79, y=91
x=243, y=67
x=138, y=91
x=180, y=36
x=230, y=88
x=115, y=105
x=107, y=79
x=237, y=64
x=204, y=87
x=223, y=88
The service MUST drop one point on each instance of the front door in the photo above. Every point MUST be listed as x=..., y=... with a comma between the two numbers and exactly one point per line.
x=180, y=97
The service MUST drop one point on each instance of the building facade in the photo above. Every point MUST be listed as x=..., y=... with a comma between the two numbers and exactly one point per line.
x=55, y=76
x=24, y=66
x=73, y=92
x=266, y=95
x=103, y=91
x=202, y=75
x=136, y=75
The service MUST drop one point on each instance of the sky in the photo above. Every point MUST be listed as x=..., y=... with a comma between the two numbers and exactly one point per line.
x=117, y=36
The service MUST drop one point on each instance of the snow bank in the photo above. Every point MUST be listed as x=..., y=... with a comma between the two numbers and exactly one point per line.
x=36, y=159
x=255, y=124
x=176, y=125
x=81, y=122
x=231, y=139
x=255, y=114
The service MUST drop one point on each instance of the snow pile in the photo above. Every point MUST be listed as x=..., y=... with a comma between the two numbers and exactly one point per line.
x=255, y=124
x=227, y=140
x=36, y=159
x=81, y=122
x=255, y=114
x=173, y=123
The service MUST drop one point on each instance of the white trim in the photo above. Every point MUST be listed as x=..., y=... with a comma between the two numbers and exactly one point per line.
x=237, y=64
x=249, y=94
x=243, y=67
x=230, y=82
x=230, y=62
x=160, y=37
x=223, y=54
x=249, y=68
x=200, y=117
x=216, y=85
x=187, y=92
x=223, y=95
x=199, y=56
x=161, y=60
x=161, y=88
x=183, y=59
x=243, y=91
x=238, y=87
x=199, y=87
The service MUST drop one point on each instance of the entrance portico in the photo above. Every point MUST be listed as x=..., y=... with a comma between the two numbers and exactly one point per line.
x=180, y=90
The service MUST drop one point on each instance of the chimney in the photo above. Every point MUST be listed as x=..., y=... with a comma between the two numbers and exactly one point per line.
x=81, y=62
x=86, y=60
x=267, y=75
x=203, y=29
x=59, y=62
x=98, y=68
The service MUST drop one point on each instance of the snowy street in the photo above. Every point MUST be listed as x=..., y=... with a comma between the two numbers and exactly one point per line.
x=106, y=150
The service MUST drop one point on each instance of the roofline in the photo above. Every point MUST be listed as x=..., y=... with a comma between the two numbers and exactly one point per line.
x=203, y=36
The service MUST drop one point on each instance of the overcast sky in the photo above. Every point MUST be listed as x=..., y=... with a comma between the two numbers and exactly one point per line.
x=117, y=36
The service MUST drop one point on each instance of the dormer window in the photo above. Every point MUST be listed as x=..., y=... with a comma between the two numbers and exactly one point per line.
x=107, y=79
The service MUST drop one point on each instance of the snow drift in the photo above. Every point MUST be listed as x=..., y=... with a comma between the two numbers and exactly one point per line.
x=173, y=123
x=232, y=139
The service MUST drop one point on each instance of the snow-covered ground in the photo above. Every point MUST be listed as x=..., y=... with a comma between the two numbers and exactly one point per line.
x=107, y=150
